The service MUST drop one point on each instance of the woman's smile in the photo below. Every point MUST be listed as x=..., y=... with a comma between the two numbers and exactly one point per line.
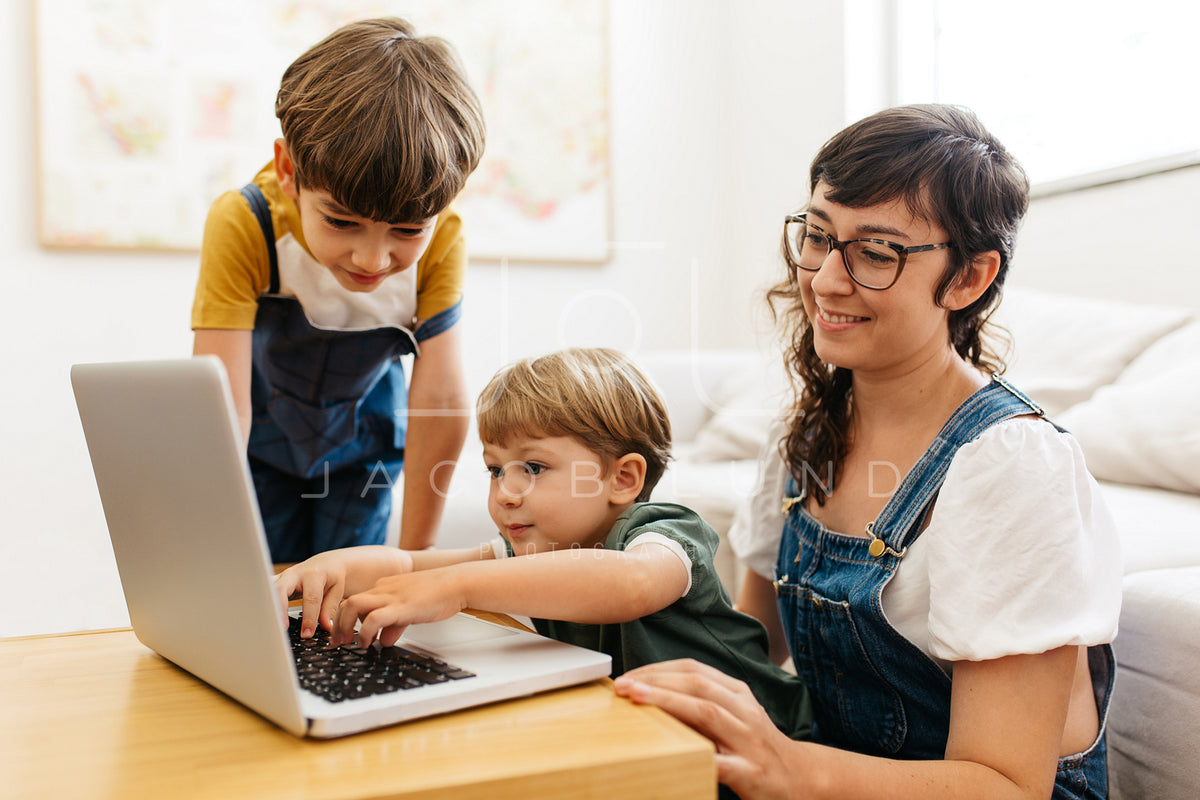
x=831, y=318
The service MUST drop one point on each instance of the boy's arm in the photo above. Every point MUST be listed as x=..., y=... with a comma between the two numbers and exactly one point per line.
x=438, y=411
x=324, y=579
x=234, y=348
x=589, y=586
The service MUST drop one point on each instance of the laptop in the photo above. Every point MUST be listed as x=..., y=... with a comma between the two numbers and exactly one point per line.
x=199, y=583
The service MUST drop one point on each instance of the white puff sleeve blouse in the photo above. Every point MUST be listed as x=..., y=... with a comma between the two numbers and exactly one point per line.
x=1021, y=554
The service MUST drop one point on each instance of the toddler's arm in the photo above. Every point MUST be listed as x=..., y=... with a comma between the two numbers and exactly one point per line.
x=589, y=586
x=323, y=580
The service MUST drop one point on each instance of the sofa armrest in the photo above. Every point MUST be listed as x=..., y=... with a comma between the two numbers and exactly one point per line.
x=1153, y=735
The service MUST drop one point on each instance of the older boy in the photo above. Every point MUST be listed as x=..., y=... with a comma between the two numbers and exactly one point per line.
x=338, y=258
x=575, y=441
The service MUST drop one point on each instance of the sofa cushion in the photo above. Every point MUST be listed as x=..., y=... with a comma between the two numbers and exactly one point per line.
x=1064, y=348
x=714, y=490
x=692, y=383
x=1158, y=528
x=1153, y=737
x=1143, y=429
x=747, y=400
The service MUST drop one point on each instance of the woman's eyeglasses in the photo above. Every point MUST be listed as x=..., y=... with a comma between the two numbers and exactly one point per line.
x=871, y=263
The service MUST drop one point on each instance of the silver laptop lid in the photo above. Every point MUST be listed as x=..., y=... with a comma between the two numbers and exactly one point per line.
x=178, y=499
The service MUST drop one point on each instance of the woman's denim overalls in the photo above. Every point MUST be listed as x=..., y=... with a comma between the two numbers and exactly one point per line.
x=873, y=691
x=327, y=437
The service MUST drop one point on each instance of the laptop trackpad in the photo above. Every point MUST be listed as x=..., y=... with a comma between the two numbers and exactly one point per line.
x=459, y=629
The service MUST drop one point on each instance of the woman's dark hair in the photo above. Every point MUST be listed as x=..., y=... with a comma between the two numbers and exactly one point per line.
x=946, y=168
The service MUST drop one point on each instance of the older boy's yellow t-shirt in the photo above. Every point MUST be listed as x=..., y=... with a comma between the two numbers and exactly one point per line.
x=235, y=267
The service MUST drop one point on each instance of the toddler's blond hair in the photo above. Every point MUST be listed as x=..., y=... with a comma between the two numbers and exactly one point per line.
x=595, y=395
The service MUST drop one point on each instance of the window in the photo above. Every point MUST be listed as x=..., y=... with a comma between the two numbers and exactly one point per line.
x=1082, y=93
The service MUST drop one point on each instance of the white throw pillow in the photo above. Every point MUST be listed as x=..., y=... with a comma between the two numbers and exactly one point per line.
x=1066, y=347
x=1145, y=428
x=1179, y=347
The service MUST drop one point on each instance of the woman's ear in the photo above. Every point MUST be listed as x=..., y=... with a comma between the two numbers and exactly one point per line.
x=626, y=478
x=285, y=170
x=973, y=281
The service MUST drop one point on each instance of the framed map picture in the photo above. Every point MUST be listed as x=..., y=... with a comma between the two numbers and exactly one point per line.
x=147, y=110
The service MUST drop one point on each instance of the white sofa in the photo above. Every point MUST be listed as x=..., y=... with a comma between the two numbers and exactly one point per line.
x=1123, y=378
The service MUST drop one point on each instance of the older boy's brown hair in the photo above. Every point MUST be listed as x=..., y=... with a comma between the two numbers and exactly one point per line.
x=383, y=120
x=595, y=395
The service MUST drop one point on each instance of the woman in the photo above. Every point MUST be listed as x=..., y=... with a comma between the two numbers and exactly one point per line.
x=948, y=578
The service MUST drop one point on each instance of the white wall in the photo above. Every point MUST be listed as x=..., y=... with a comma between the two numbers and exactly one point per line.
x=709, y=145
x=1136, y=240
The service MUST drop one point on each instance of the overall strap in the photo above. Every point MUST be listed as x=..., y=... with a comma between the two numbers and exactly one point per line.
x=439, y=323
x=997, y=401
x=258, y=204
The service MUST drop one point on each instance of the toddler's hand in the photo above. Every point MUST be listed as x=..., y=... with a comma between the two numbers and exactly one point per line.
x=394, y=603
x=323, y=580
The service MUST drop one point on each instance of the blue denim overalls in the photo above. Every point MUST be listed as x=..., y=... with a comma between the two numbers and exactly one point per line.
x=329, y=420
x=873, y=691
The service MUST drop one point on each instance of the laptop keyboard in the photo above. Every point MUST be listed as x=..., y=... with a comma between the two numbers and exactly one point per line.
x=344, y=673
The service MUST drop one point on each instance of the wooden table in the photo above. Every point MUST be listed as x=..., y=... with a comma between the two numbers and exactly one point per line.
x=98, y=715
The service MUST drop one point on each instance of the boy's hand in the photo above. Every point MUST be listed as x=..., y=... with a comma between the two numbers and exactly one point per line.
x=394, y=603
x=323, y=580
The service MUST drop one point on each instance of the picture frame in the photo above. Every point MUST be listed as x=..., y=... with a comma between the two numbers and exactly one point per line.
x=147, y=111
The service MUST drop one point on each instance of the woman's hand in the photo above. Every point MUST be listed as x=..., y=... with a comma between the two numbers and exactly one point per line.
x=751, y=751
x=323, y=580
x=1006, y=729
